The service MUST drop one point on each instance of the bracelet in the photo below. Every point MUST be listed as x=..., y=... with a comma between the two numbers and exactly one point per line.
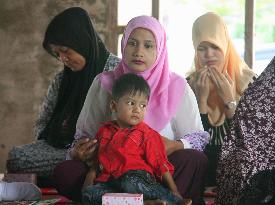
x=231, y=105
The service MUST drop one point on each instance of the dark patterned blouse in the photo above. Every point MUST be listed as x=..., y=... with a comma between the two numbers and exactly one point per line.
x=50, y=99
x=213, y=148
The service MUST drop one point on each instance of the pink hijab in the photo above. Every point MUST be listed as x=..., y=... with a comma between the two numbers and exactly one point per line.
x=167, y=88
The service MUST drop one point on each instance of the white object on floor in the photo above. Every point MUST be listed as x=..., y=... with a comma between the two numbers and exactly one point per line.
x=19, y=191
x=122, y=199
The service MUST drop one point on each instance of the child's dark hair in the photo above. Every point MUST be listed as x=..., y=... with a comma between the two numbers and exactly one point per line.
x=130, y=83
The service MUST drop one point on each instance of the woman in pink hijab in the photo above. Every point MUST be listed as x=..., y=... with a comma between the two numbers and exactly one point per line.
x=172, y=111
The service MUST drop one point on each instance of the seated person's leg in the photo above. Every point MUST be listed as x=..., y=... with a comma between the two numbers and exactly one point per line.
x=190, y=169
x=38, y=157
x=139, y=181
x=18, y=191
x=69, y=177
x=93, y=194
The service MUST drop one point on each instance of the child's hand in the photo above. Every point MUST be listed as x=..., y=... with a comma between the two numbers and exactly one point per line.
x=177, y=194
x=184, y=200
x=90, y=178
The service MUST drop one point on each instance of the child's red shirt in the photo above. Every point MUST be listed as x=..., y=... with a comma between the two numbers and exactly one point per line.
x=136, y=148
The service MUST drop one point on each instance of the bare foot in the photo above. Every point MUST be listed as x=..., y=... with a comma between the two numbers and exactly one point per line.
x=187, y=202
x=155, y=202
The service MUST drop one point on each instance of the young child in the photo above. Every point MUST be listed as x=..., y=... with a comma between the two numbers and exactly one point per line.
x=19, y=191
x=131, y=155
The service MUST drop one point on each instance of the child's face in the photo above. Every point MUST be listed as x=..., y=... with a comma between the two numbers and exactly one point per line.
x=140, y=52
x=130, y=109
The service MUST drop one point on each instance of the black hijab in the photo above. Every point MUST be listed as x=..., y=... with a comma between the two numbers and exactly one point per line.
x=72, y=28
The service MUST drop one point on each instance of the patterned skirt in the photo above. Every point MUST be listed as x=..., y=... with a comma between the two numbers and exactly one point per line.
x=38, y=157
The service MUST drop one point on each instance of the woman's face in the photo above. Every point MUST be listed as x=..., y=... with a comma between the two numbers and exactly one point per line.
x=140, y=52
x=69, y=57
x=210, y=55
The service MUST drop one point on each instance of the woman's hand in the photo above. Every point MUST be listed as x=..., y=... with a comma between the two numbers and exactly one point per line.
x=224, y=85
x=84, y=149
x=171, y=145
x=200, y=85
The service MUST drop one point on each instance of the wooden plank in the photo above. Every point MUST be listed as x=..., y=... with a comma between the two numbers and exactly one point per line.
x=155, y=8
x=120, y=29
x=112, y=34
x=249, y=33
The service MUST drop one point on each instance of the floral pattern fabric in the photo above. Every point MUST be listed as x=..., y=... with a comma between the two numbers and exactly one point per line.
x=249, y=148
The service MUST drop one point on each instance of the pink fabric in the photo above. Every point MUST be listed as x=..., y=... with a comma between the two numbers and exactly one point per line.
x=167, y=87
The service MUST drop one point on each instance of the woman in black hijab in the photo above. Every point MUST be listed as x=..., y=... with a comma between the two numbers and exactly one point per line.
x=71, y=38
